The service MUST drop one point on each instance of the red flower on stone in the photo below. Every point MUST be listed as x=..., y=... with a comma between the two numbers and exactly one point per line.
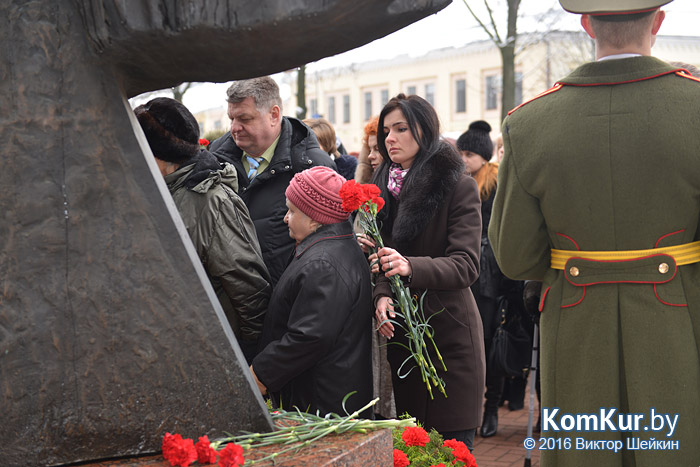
x=205, y=454
x=415, y=436
x=179, y=452
x=203, y=142
x=231, y=456
x=400, y=458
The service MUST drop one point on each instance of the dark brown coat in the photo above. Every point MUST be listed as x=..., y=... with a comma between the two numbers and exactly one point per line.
x=437, y=227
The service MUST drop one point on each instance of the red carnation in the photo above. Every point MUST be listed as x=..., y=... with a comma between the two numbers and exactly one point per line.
x=415, y=436
x=205, y=454
x=461, y=452
x=179, y=452
x=464, y=455
x=231, y=456
x=400, y=459
x=352, y=195
x=203, y=142
x=439, y=465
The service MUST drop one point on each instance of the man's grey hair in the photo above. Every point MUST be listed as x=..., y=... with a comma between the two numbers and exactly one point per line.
x=264, y=92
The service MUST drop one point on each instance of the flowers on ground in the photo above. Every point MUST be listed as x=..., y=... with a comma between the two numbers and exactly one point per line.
x=231, y=456
x=400, y=459
x=294, y=430
x=416, y=448
x=205, y=454
x=365, y=199
x=179, y=452
x=415, y=436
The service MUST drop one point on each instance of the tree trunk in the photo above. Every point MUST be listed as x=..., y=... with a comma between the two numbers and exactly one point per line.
x=508, y=58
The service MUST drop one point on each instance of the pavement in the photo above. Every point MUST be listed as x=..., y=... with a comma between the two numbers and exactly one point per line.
x=505, y=448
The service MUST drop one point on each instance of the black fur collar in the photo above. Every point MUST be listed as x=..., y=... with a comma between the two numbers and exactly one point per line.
x=426, y=194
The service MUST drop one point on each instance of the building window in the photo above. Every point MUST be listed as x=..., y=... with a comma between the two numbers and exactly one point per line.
x=492, y=91
x=384, y=98
x=411, y=90
x=460, y=95
x=313, y=107
x=430, y=93
x=368, y=105
x=331, y=109
x=346, y=108
x=218, y=125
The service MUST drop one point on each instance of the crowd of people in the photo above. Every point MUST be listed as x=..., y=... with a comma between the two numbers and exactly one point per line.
x=307, y=293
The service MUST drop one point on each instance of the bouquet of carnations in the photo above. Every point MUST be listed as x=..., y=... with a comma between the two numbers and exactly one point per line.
x=365, y=199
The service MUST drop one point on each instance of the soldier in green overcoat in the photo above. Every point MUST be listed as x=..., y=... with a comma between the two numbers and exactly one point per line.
x=599, y=198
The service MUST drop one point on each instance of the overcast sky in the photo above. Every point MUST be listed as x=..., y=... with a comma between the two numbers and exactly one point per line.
x=454, y=26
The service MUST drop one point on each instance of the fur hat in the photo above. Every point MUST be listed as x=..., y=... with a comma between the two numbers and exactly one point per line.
x=607, y=7
x=315, y=192
x=171, y=130
x=477, y=139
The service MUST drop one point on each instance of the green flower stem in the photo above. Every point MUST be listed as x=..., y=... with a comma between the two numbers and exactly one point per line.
x=417, y=327
x=307, y=429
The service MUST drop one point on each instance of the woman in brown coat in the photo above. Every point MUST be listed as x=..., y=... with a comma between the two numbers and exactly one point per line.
x=432, y=224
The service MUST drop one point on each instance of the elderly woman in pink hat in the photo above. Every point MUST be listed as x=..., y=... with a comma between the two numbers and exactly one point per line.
x=316, y=340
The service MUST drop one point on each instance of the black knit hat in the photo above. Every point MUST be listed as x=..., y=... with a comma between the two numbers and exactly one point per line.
x=477, y=140
x=171, y=130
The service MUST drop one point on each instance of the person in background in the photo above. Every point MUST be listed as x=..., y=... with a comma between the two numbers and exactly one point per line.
x=607, y=161
x=369, y=157
x=316, y=342
x=325, y=133
x=215, y=217
x=266, y=150
x=431, y=224
x=497, y=149
x=476, y=148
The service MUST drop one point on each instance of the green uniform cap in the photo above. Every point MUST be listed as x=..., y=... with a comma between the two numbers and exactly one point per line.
x=608, y=7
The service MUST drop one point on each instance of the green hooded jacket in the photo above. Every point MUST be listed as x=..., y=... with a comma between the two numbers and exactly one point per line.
x=224, y=237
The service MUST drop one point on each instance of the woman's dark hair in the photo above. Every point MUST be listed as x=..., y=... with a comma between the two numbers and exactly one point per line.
x=424, y=125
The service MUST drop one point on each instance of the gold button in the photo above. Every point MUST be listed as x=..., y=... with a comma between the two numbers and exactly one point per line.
x=663, y=268
x=574, y=271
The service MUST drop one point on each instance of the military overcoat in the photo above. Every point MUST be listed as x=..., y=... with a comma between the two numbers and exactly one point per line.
x=609, y=159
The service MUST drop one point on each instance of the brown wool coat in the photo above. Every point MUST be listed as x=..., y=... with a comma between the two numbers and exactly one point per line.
x=438, y=229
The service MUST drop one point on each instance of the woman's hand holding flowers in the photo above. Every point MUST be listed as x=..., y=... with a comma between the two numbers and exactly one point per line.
x=385, y=309
x=394, y=263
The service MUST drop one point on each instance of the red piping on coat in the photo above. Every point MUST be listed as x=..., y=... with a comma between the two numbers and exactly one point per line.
x=622, y=82
x=571, y=239
x=656, y=245
x=556, y=87
x=687, y=75
x=544, y=295
x=666, y=303
x=579, y=301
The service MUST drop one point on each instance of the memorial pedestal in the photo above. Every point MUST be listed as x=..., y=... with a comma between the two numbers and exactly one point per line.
x=373, y=449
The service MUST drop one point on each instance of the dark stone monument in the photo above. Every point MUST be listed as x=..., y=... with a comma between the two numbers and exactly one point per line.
x=110, y=334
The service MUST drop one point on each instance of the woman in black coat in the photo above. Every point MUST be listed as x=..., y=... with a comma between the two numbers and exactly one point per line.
x=431, y=222
x=316, y=340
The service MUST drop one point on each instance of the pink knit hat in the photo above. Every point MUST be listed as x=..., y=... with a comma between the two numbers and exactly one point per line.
x=315, y=192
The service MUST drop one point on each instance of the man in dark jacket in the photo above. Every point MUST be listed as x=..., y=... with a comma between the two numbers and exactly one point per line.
x=267, y=149
x=216, y=219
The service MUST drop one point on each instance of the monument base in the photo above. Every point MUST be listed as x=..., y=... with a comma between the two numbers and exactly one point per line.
x=345, y=450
